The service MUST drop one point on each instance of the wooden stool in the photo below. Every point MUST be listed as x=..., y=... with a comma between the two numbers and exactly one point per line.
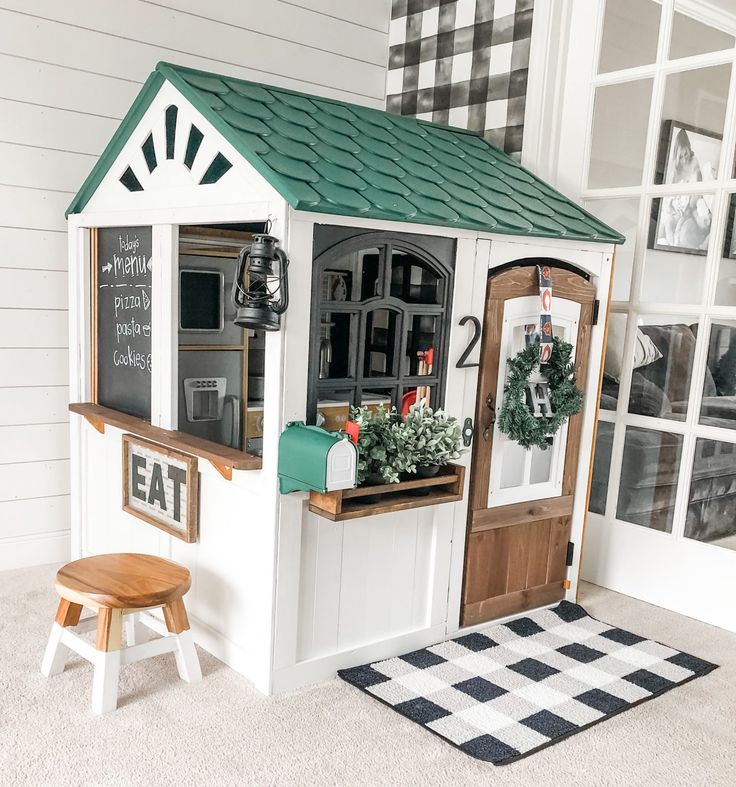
x=115, y=586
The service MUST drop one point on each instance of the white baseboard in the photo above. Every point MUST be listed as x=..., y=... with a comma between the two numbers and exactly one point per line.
x=236, y=657
x=324, y=668
x=35, y=550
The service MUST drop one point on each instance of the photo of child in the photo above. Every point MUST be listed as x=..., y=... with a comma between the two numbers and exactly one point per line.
x=683, y=221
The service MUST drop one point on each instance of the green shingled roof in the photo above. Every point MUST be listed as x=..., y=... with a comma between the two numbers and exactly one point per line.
x=333, y=157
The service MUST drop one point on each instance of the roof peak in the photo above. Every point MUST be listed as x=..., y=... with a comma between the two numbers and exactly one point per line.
x=163, y=67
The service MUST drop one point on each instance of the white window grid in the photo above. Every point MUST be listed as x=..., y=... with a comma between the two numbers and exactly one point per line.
x=704, y=313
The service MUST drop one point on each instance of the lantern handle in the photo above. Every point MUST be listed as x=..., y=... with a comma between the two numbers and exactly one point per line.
x=239, y=268
x=283, y=304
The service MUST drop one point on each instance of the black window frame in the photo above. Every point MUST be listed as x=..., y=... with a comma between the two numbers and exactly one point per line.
x=438, y=254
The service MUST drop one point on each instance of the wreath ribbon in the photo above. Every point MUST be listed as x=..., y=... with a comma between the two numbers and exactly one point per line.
x=545, y=314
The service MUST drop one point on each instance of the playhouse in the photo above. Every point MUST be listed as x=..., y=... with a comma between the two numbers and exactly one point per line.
x=406, y=260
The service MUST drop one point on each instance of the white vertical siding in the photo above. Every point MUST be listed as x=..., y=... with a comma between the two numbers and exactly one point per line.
x=68, y=73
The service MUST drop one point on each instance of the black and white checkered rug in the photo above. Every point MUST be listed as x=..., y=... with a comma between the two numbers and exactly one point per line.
x=517, y=687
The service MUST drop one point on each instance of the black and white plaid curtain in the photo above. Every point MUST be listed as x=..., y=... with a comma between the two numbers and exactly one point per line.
x=464, y=63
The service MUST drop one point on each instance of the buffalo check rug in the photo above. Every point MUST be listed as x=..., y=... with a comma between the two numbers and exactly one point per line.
x=511, y=689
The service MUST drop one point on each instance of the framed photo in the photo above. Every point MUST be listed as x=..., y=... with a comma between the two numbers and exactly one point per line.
x=682, y=222
x=687, y=154
x=161, y=487
x=337, y=285
x=729, y=243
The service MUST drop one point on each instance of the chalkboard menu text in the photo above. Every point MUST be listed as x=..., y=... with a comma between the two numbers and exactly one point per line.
x=124, y=319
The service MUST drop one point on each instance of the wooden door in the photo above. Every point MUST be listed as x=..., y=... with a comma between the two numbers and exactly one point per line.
x=517, y=535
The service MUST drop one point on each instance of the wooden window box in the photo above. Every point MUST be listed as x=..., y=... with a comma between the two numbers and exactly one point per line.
x=384, y=498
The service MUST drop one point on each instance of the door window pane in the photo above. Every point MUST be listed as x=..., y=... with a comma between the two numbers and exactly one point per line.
x=679, y=236
x=351, y=275
x=622, y=215
x=662, y=366
x=613, y=362
x=648, y=485
x=338, y=332
x=420, y=344
x=333, y=408
x=711, y=511
x=630, y=32
x=412, y=280
x=381, y=339
x=726, y=289
x=601, y=468
x=377, y=397
x=619, y=135
x=541, y=464
x=418, y=394
x=693, y=114
x=718, y=407
x=687, y=154
x=691, y=37
x=512, y=465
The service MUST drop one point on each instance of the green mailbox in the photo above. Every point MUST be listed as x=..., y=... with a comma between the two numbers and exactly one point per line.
x=311, y=458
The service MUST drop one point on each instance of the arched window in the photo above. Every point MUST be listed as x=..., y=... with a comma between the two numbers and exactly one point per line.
x=380, y=311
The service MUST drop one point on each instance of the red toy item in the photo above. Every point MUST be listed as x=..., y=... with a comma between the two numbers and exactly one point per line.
x=352, y=430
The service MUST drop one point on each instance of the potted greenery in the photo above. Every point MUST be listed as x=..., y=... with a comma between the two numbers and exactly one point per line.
x=428, y=439
x=378, y=445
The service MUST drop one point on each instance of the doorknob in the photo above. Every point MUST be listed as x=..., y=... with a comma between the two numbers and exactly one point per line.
x=491, y=419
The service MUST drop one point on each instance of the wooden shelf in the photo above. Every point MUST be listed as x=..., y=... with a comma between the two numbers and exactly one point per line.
x=352, y=503
x=224, y=459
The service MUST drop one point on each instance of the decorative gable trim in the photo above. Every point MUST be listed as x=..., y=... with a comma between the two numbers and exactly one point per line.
x=174, y=157
x=219, y=165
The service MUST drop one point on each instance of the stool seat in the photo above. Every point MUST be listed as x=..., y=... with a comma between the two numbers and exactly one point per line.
x=123, y=581
x=122, y=589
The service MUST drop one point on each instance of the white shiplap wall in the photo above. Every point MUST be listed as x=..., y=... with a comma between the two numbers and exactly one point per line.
x=68, y=73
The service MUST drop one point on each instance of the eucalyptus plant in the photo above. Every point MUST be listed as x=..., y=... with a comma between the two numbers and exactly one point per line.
x=378, y=443
x=428, y=437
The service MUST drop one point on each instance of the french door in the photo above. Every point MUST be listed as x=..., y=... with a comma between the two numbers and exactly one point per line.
x=647, y=142
x=521, y=501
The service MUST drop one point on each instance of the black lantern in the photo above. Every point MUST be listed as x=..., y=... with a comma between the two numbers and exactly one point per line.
x=260, y=291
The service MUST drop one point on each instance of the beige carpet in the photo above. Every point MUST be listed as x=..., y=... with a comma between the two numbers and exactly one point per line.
x=222, y=732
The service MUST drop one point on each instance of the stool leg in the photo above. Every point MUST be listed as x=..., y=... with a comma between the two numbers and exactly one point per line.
x=54, y=659
x=187, y=661
x=177, y=623
x=105, y=682
x=135, y=632
x=107, y=661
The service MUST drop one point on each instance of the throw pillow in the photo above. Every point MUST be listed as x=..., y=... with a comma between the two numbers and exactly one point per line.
x=645, y=351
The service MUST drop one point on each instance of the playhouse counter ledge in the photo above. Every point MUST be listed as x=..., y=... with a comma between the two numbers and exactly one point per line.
x=223, y=458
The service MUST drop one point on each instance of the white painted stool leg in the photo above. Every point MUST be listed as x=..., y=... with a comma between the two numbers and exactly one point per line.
x=54, y=659
x=105, y=682
x=187, y=661
x=135, y=631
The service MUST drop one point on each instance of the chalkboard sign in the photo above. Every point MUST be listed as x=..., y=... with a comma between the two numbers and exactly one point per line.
x=123, y=273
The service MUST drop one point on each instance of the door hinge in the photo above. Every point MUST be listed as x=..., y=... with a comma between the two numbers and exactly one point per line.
x=596, y=310
x=570, y=553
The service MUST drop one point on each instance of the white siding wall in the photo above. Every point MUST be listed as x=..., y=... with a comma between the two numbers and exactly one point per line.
x=68, y=73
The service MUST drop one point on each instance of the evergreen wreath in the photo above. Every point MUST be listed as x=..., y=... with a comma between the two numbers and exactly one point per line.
x=516, y=419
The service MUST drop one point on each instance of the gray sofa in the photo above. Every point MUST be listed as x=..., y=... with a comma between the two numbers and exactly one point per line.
x=651, y=459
